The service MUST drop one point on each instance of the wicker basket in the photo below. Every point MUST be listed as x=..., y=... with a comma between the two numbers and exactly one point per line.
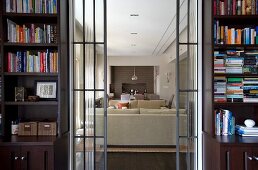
x=27, y=129
x=47, y=128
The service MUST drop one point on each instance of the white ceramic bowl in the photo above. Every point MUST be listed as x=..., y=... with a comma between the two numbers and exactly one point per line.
x=249, y=123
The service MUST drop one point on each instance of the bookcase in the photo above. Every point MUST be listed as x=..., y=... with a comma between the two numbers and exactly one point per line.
x=34, y=55
x=229, y=56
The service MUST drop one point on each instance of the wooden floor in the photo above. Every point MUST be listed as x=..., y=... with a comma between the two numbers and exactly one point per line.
x=144, y=161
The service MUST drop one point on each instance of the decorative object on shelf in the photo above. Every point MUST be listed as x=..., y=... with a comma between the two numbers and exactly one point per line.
x=249, y=123
x=19, y=94
x=33, y=98
x=134, y=77
x=46, y=90
x=14, y=128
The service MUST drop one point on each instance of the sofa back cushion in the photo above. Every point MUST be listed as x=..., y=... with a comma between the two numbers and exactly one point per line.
x=151, y=104
x=123, y=111
x=133, y=104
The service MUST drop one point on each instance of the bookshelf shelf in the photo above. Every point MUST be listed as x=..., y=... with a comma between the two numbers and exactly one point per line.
x=216, y=104
x=33, y=103
x=46, y=45
x=236, y=75
x=36, y=15
x=235, y=17
x=29, y=74
x=235, y=47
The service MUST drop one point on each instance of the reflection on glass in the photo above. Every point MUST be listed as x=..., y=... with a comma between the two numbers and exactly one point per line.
x=188, y=153
x=89, y=66
x=78, y=113
x=99, y=104
x=78, y=21
x=78, y=66
x=99, y=67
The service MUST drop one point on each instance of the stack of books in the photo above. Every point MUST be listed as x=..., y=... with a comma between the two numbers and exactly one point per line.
x=234, y=89
x=220, y=89
x=246, y=131
x=224, y=122
x=250, y=63
x=219, y=64
x=250, y=89
x=234, y=62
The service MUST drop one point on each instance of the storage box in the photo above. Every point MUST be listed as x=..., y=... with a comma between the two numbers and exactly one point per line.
x=28, y=129
x=47, y=128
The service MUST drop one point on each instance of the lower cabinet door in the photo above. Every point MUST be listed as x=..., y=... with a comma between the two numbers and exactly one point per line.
x=37, y=157
x=241, y=158
x=255, y=158
x=10, y=157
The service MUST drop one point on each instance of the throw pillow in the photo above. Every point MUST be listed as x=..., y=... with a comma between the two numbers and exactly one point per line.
x=120, y=105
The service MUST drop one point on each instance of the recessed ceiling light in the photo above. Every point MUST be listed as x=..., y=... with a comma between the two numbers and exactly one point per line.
x=134, y=33
x=134, y=15
x=133, y=45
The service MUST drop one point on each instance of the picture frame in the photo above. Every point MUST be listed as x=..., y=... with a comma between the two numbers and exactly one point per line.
x=46, y=90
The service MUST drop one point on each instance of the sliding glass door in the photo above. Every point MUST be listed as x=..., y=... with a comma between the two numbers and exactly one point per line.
x=187, y=84
x=88, y=73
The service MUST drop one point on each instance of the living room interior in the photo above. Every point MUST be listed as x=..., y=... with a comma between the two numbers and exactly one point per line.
x=141, y=79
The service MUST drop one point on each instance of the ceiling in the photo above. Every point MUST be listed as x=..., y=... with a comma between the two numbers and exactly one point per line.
x=142, y=35
x=148, y=32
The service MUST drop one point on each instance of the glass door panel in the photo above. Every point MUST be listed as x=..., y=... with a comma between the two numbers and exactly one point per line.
x=187, y=85
x=89, y=85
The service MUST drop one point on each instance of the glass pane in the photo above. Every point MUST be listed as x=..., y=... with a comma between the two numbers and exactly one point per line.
x=88, y=19
x=183, y=21
x=188, y=114
x=89, y=113
x=188, y=67
x=99, y=104
x=89, y=66
x=78, y=66
x=99, y=68
x=79, y=154
x=187, y=154
x=84, y=154
x=78, y=21
x=99, y=20
x=100, y=154
x=184, y=17
x=78, y=110
x=193, y=21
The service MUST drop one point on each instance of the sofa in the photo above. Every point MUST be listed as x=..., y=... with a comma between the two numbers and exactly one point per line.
x=145, y=122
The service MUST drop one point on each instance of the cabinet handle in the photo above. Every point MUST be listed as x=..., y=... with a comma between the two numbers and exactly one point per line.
x=16, y=158
x=250, y=158
x=255, y=157
x=23, y=158
x=228, y=161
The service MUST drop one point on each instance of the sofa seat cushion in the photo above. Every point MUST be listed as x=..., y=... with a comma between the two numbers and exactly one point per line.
x=160, y=111
x=151, y=104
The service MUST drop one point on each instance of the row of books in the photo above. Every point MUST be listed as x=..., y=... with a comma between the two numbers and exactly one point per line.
x=236, y=62
x=32, y=61
x=32, y=6
x=31, y=33
x=224, y=122
x=235, y=89
x=235, y=7
x=229, y=35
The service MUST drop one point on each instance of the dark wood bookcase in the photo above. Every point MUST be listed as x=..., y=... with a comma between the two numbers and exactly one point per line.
x=225, y=152
x=35, y=152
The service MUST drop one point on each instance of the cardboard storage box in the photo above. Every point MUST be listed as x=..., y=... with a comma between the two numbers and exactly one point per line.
x=47, y=128
x=28, y=129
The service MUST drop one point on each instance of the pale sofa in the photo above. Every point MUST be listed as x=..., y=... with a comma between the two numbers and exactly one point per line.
x=142, y=126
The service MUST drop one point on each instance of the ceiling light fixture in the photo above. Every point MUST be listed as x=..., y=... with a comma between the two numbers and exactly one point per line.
x=134, y=15
x=134, y=77
x=133, y=45
x=134, y=33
